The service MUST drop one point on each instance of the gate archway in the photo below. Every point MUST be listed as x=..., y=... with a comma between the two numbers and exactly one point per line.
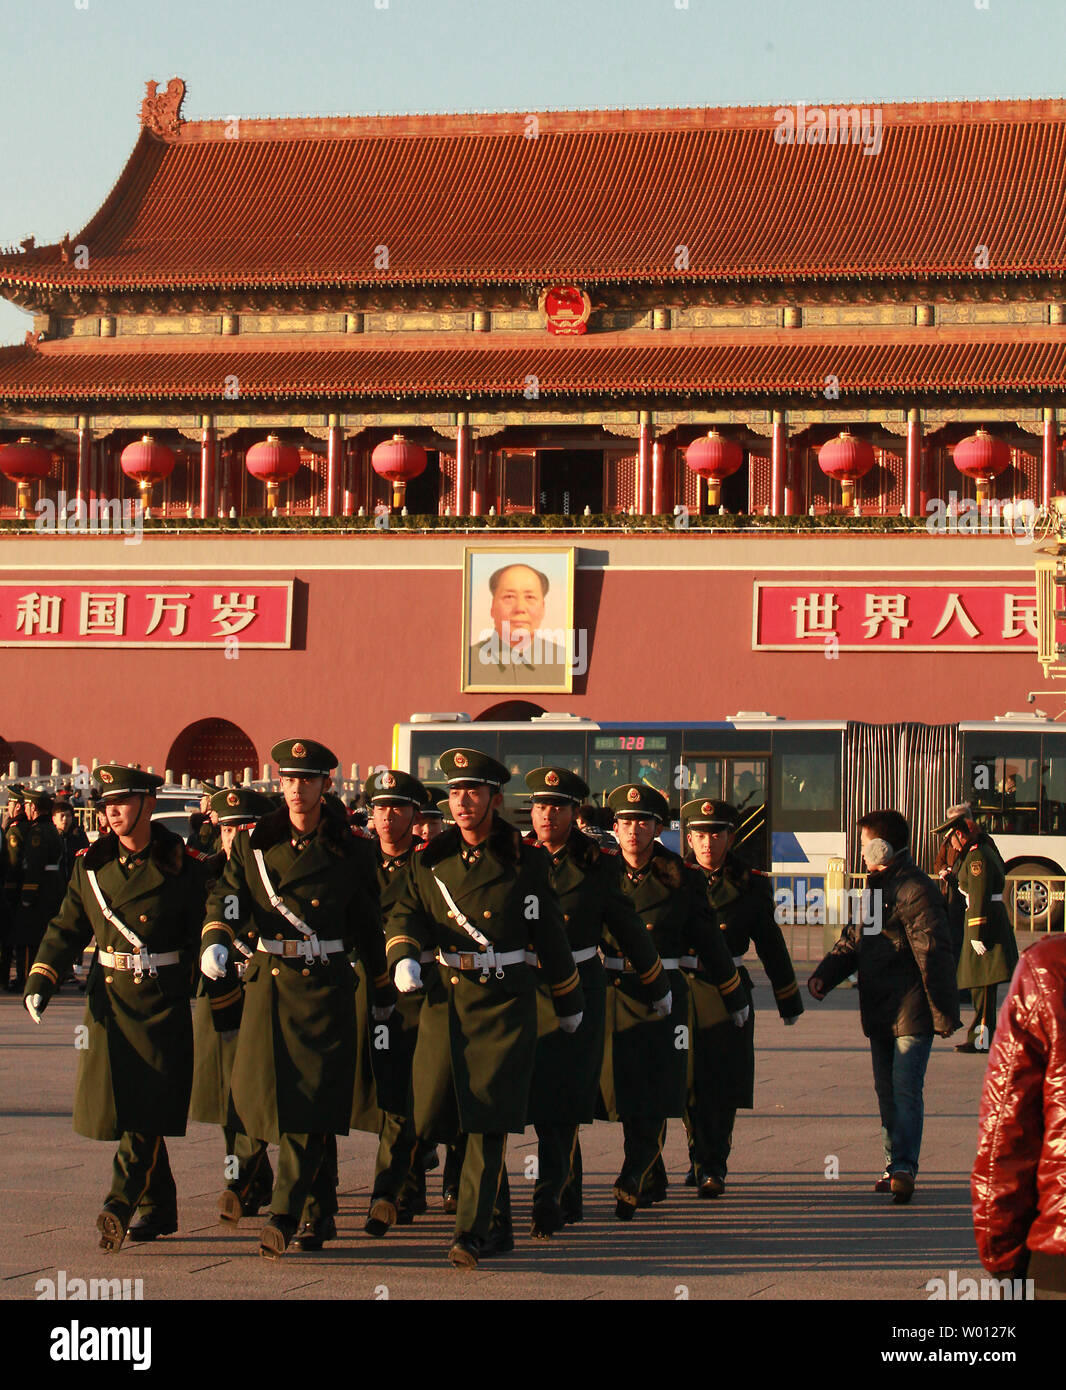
x=210, y=747
x=509, y=710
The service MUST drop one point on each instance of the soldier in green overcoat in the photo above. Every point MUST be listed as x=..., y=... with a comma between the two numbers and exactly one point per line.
x=141, y=894
x=10, y=857
x=38, y=885
x=989, y=949
x=566, y=1078
x=483, y=899
x=723, y=1058
x=305, y=888
x=644, y=1079
x=249, y=1176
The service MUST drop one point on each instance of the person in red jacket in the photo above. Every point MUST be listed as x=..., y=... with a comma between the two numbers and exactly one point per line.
x=1018, y=1185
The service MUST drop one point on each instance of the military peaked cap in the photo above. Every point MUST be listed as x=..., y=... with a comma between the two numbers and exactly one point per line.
x=703, y=814
x=955, y=815
x=303, y=757
x=392, y=786
x=37, y=796
x=238, y=806
x=556, y=784
x=638, y=799
x=431, y=805
x=116, y=780
x=464, y=766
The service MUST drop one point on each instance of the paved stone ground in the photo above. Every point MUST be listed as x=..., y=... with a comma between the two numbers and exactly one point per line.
x=782, y=1231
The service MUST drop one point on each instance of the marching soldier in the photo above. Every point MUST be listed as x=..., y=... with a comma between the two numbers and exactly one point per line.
x=304, y=889
x=250, y=1178
x=644, y=1075
x=38, y=885
x=723, y=1058
x=10, y=858
x=204, y=833
x=566, y=1077
x=140, y=893
x=72, y=838
x=989, y=950
x=480, y=896
x=429, y=821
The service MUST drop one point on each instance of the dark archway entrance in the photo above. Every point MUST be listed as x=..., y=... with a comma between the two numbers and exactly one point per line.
x=210, y=747
x=509, y=711
x=570, y=480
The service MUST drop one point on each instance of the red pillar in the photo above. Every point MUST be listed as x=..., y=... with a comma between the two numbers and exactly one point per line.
x=778, y=464
x=793, y=498
x=463, y=461
x=913, y=481
x=645, y=451
x=334, y=465
x=923, y=477
x=208, y=447
x=85, y=445
x=1049, y=481
x=658, y=477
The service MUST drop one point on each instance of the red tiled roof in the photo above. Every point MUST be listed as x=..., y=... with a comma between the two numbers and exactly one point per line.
x=928, y=361
x=597, y=196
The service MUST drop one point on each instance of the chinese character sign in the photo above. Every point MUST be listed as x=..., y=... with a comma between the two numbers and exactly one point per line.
x=907, y=616
x=145, y=613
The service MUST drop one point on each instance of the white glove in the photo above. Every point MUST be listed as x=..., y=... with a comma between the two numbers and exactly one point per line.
x=788, y=1022
x=213, y=962
x=741, y=1016
x=570, y=1023
x=979, y=946
x=33, y=1003
x=664, y=1006
x=382, y=1012
x=408, y=976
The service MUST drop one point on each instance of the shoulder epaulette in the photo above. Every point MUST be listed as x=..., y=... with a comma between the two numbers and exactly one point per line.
x=608, y=849
x=80, y=852
x=360, y=833
x=192, y=853
x=421, y=845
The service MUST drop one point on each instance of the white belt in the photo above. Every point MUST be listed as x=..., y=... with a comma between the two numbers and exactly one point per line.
x=618, y=963
x=694, y=962
x=996, y=898
x=137, y=962
x=305, y=950
x=53, y=868
x=488, y=960
x=426, y=957
x=586, y=953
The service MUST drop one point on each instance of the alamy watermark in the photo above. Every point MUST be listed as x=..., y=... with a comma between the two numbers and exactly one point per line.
x=991, y=517
x=829, y=125
x=815, y=907
x=65, y=516
x=66, y=1289
x=546, y=651
x=968, y=1289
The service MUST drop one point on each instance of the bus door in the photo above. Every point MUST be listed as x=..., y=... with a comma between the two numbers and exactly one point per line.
x=742, y=780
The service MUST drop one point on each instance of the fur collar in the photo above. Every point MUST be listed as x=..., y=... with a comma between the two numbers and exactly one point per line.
x=166, y=850
x=333, y=833
x=504, y=842
x=666, y=866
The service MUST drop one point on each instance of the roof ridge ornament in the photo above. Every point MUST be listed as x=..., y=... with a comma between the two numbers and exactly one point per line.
x=161, y=111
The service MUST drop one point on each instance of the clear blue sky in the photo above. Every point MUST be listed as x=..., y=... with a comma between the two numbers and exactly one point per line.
x=74, y=77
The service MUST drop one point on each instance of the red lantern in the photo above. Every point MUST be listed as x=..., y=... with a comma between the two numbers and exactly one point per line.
x=982, y=456
x=714, y=457
x=146, y=462
x=25, y=463
x=847, y=458
x=399, y=460
x=273, y=463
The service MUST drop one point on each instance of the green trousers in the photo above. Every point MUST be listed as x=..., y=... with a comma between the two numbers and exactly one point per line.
x=306, y=1185
x=483, y=1188
x=984, y=1006
x=398, y=1171
x=253, y=1163
x=555, y=1159
x=140, y=1176
x=710, y=1138
x=643, y=1140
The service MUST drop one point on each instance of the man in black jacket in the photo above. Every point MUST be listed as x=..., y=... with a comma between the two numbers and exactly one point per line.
x=906, y=987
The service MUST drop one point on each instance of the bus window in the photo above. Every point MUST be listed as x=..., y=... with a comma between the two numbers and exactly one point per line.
x=704, y=778
x=1053, y=788
x=427, y=747
x=806, y=781
x=1004, y=783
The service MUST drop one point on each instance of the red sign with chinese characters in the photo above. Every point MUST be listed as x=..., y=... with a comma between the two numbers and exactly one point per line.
x=914, y=616
x=145, y=613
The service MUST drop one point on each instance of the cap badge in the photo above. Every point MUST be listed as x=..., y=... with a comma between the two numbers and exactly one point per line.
x=232, y=799
x=106, y=777
x=387, y=779
x=551, y=779
x=706, y=808
x=633, y=794
x=299, y=751
x=461, y=760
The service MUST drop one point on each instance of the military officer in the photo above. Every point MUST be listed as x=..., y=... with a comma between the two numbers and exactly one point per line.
x=989, y=950
x=399, y=1192
x=304, y=888
x=482, y=898
x=10, y=858
x=140, y=893
x=566, y=1077
x=249, y=1177
x=204, y=834
x=71, y=837
x=644, y=1076
x=429, y=821
x=39, y=878
x=723, y=1058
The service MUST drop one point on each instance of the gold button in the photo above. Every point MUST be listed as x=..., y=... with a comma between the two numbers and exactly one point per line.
x=455, y=979
x=305, y=972
x=650, y=926
x=279, y=937
x=143, y=917
x=275, y=971
x=109, y=979
x=566, y=916
x=616, y=981
x=450, y=913
x=486, y=913
x=314, y=902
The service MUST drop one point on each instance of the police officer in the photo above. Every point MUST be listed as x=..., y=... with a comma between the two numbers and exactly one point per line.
x=72, y=838
x=249, y=1177
x=429, y=821
x=566, y=1077
x=39, y=880
x=10, y=880
x=989, y=950
x=204, y=833
x=645, y=1069
x=304, y=888
x=481, y=897
x=399, y=1192
x=723, y=1058
x=141, y=894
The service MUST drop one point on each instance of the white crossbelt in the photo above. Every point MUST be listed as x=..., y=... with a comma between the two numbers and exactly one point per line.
x=619, y=963
x=475, y=960
x=310, y=949
x=586, y=953
x=276, y=902
x=460, y=918
x=136, y=961
x=144, y=960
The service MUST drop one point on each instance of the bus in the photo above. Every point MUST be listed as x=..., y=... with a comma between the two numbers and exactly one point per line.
x=801, y=785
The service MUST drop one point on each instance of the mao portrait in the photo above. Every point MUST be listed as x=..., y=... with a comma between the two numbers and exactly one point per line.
x=518, y=619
